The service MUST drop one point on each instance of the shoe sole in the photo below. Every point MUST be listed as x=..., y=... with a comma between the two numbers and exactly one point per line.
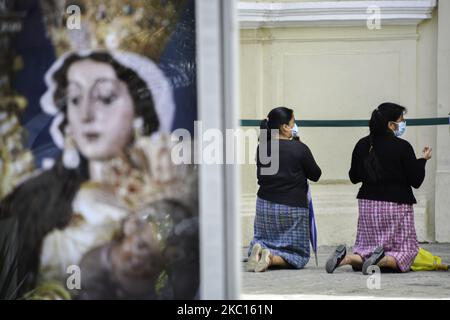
x=332, y=262
x=253, y=259
x=264, y=263
x=376, y=256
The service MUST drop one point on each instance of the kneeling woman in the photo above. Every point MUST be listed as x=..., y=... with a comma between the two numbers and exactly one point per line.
x=281, y=228
x=388, y=168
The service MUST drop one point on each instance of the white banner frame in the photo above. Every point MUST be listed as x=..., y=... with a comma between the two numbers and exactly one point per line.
x=217, y=80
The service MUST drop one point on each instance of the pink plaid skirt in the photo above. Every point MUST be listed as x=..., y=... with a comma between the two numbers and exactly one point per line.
x=390, y=225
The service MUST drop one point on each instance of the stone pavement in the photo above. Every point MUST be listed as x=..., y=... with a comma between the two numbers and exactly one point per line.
x=314, y=283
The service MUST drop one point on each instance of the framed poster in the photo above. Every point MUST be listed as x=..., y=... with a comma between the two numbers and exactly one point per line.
x=93, y=205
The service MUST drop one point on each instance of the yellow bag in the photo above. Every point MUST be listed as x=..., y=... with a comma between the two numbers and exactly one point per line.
x=425, y=261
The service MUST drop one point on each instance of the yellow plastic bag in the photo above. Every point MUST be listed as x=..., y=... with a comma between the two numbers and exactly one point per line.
x=426, y=261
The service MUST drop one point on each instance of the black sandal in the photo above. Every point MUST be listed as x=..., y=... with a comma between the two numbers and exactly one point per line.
x=376, y=257
x=335, y=259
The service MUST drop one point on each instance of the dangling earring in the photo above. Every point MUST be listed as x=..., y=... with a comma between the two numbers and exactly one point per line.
x=71, y=158
x=138, y=126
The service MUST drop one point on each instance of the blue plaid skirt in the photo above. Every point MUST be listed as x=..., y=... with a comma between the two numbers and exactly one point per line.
x=284, y=230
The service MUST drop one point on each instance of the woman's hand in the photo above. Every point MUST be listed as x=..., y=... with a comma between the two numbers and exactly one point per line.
x=426, y=153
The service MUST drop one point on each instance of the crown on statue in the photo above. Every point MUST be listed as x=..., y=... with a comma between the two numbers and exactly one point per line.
x=140, y=26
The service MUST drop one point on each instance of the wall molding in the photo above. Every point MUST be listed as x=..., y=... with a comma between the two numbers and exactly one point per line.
x=393, y=37
x=253, y=15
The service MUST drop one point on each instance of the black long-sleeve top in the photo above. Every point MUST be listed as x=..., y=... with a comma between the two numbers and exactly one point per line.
x=402, y=170
x=288, y=185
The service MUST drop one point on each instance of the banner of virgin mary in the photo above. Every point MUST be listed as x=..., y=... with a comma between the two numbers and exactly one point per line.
x=98, y=209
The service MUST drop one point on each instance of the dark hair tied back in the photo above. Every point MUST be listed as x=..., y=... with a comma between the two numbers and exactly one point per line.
x=275, y=119
x=378, y=124
x=381, y=116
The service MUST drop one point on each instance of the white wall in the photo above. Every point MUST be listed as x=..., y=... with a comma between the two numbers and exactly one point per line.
x=337, y=72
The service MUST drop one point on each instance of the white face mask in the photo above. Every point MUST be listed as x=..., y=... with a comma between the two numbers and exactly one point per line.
x=401, y=128
x=294, y=130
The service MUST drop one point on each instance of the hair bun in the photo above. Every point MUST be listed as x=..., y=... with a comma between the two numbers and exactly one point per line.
x=264, y=124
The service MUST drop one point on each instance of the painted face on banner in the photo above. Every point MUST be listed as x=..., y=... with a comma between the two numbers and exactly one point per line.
x=100, y=110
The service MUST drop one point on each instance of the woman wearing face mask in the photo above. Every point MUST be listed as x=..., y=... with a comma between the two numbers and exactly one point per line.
x=281, y=234
x=388, y=168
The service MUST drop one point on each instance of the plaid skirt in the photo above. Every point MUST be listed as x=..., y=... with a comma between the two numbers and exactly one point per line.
x=284, y=230
x=390, y=225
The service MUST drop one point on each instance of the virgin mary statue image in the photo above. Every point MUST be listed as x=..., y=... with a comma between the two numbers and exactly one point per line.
x=113, y=209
